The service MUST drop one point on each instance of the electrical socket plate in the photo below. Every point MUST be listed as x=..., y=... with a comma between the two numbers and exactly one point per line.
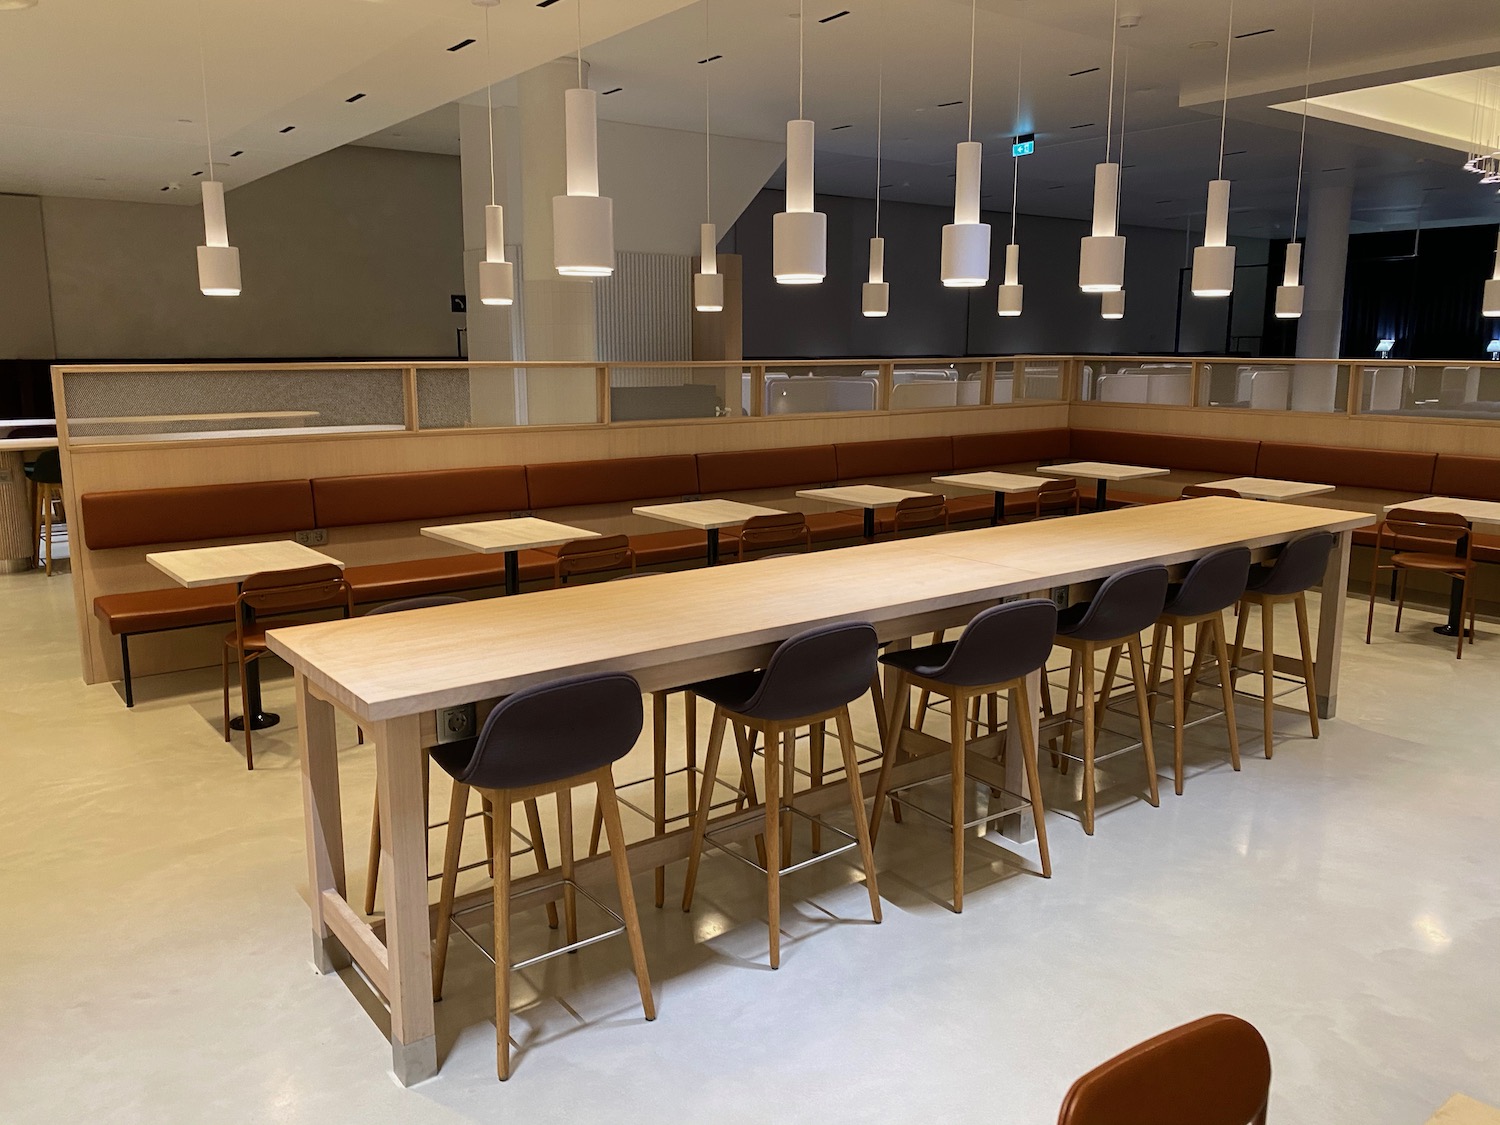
x=5, y=477
x=316, y=537
x=454, y=724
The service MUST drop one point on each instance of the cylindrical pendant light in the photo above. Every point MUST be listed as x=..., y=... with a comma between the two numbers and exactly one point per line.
x=708, y=283
x=497, y=277
x=1010, y=291
x=799, y=235
x=1112, y=304
x=1101, y=254
x=583, y=221
x=218, y=262
x=1009, y=303
x=966, y=240
x=875, y=295
x=1290, y=293
x=1492, y=287
x=1213, y=262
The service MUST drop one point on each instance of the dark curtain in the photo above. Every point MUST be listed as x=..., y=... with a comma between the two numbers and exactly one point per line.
x=25, y=388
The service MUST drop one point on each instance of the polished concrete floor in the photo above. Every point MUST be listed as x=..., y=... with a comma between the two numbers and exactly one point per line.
x=1345, y=897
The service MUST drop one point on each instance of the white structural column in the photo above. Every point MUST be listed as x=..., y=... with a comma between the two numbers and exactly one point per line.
x=557, y=312
x=1320, y=330
x=493, y=399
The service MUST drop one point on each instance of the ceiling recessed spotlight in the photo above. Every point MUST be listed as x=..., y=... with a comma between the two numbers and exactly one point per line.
x=287, y=129
x=1203, y=45
x=354, y=98
x=237, y=152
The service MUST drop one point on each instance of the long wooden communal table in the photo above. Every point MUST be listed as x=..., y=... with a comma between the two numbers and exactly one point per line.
x=391, y=671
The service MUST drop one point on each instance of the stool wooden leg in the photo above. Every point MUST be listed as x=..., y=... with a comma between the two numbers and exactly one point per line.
x=458, y=805
x=845, y=729
x=744, y=738
x=1075, y=676
x=1304, y=638
x=36, y=526
x=1179, y=716
x=502, y=936
x=658, y=783
x=893, y=730
x=538, y=848
x=224, y=665
x=690, y=732
x=773, y=839
x=1111, y=670
x=245, y=711
x=958, y=732
x=705, y=799
x=47, y=524
x=1158, y=649
x=1087, y=701
x=487, y=818
x=565, y=843
x=1033, y=777
x=1268, y=672
x=611, y=806
x=1242, y=621
x=788, y=789
x=1138, y=674
x=372, y=868
x=815, y=765
x=1226, y=687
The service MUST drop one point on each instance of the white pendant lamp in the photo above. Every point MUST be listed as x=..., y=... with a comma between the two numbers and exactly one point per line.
x=799, y=235
x=1112, y=304
x=1290, y=293
x=966, y=240
x=218, y=262
x=1492, y=287
x=1009, y=303
x=497, y=277
x=1213, y=262
x=875, y=294
x=1101, y=254
x=583, y=221
x=708, y=282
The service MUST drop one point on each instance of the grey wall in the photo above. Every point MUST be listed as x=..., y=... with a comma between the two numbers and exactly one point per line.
x=928, y=319
x=25, y=307
x=353, y=253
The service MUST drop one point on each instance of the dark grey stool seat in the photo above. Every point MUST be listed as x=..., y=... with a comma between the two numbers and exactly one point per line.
x=996, y=652
x=1125, y=606
x=547, y=739
x=1213, y=584
x=1300, y=566
x=812, y=677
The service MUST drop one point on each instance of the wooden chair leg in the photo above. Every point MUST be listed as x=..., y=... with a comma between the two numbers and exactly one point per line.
x=538, y=850
x=788, y=789
x=1086, y=671
x=565, y=846
x=1138, y=674
x=658, y=785
x=224, y=665
x=245, y=710
x=47, y=528
x=502, y=936
x=1226, y=686
x=1033, y=778
x=1374, y=581
x=958, y=733
x=773, y=840
x=816, y=738
x=1070, y=709
x=458, y=805
x=1158, y=659
x=610, y=803
x=487, y=818
x=690, y=732
x=744, y=739
x=1111, y=670
x=1304, y=638
x=1242, y=621
x=1268, y=672
x=705, y=799
x=1400, y=596
x=1179, y=709
x=372, y=867
x=845, y=728
x=888, y=758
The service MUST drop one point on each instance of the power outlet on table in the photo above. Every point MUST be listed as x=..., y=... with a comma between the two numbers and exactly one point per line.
x=317, y=537
x=454, y=724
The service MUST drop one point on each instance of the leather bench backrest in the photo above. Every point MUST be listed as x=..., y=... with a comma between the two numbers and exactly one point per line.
x=402, y=497
x=151, y=516
x=1231, y=456
x=746, y=469
x=1477, y=478
x=1352, y=468
x=894, y=458
x=1019, y=447
x=567, y=484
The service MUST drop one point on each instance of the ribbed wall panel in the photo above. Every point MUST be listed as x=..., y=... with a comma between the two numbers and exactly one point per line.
x=645, y=315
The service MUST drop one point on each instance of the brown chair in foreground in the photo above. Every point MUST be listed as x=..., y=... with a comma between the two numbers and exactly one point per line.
x=1057, y=498
x=276, y=594
x=1431, y=542
x=1213, y=1071
x=592, y=556
x=918, y=513
x=767, y=533
x=1192, y=490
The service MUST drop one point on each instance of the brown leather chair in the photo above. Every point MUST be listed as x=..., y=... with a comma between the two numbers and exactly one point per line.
x=592, y=556
x=275, y=594
x=1193, y=490
x=765, y=533
x=917, y=513
x=1213, y=1071
x=1432, y=542
x=1057, y=498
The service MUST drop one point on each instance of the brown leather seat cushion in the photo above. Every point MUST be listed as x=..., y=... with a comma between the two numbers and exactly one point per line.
x=150, y=611
x=1475, y=477
x=968, y=509
x=668, y=547
x=402, y=497
x=1487, y=548
x=379, y=582
x=1021, y=447
x=861, y=460
x=1353, y=468
x=747, y=469
x=1230, y=456
x=152, y=516
x=829, y=527
x=565, y=484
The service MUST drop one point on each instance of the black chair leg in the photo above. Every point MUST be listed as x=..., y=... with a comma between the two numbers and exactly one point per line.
x=125, y=669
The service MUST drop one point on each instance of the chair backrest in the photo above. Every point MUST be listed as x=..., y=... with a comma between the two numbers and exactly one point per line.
x=588, y=556
x=1215, y=582
x=1192, y=490
x=273, y=592
x=783, y=529
x=1001, y=644
x=1058, y=493
x=47, y=468
x=1213, y=1071
x=1124, y=606
x=431, y=601
x=816, y=671
x=1299, y=567
x=920, y=511
x=554, y=731
x=1413, y=529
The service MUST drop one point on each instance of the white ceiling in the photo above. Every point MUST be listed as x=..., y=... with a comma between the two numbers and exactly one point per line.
x=91, y=90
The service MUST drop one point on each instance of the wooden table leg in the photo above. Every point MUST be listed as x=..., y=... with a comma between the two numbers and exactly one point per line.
x=1331, y=625
x=399, y=772
x=323, y=820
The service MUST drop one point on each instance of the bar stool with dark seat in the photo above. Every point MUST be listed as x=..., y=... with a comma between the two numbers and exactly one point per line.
x=1125, y=606
x=1057, y=498
x=768, y=533
x=45, y=475
x=1192, y=490
x=1214, y=583
x=1300, y=566
x=544, y=740
x=812, y=677
x=996, y=652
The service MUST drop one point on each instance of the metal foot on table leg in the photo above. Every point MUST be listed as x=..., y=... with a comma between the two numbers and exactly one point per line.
x=414, y=1062
x=329, y=955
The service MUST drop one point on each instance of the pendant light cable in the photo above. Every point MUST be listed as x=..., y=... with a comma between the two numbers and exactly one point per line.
x=489, y=101
x=708, y=189
x=1312, y=20
x=578, y=12
x=1224, y=114
x=973, y=26
x=1109, y=126
x=879, y=111
x=1124, y=106
x=801, y=56
x=203, y=73
x=1015, y=161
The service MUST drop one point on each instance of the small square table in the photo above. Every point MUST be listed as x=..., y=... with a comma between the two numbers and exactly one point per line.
x=708, y=516
x=215, y=566
x=1001, y=484
x=1482, y=512
x=491, y=537
x=866, y=496
x=1264, y=488
x=1103, y=472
